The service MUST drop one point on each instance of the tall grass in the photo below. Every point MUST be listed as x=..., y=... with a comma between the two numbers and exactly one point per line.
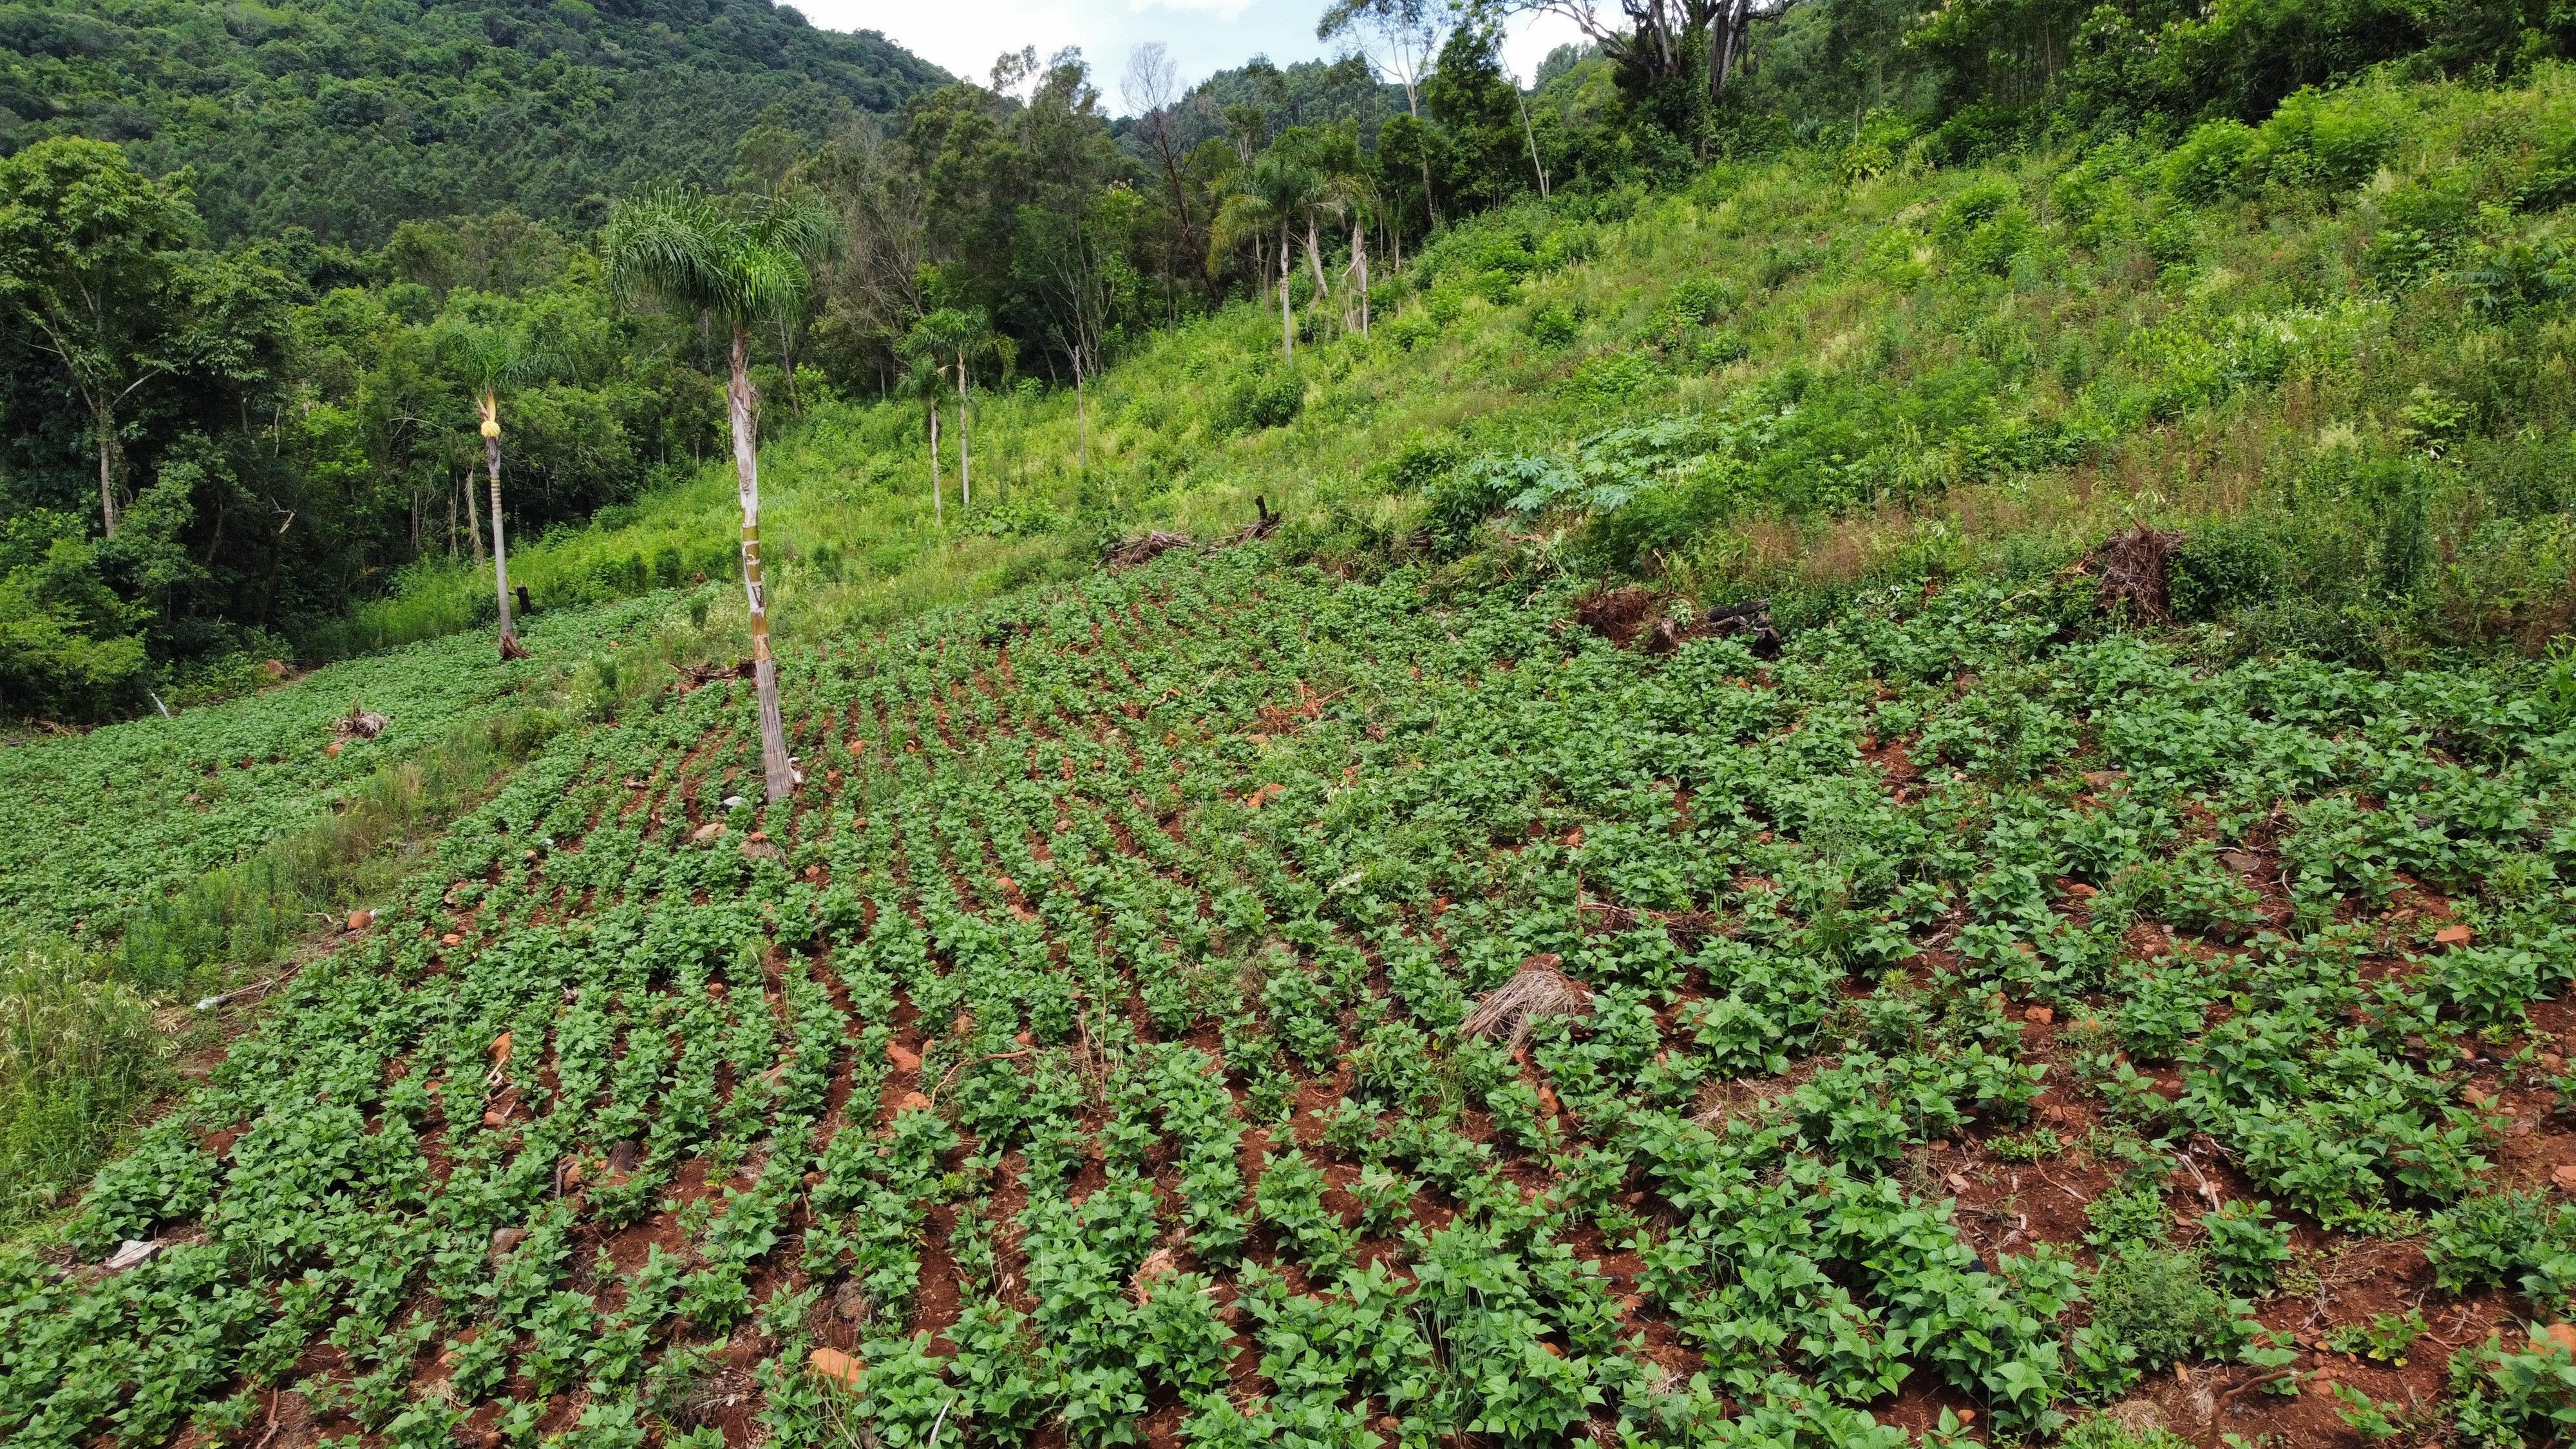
x=78, y=1053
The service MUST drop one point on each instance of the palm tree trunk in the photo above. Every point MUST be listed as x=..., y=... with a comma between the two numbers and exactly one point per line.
x=965, y=462
x=937, y=519
x=779, y=773
x=1287, y=329
x=500, y=555
x=1315, y=262
x=473, y=515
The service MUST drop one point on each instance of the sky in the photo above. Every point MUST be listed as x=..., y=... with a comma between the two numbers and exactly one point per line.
x=1204, y=36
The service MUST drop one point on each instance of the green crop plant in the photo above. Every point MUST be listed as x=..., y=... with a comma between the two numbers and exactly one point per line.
x=1095, y=1052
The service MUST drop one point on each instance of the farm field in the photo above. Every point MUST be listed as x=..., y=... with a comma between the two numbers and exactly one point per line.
x=1221, y=1004
x=97, y=823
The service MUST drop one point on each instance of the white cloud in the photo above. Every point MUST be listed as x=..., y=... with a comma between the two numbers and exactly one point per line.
x=963, y=36
x=1226, y=9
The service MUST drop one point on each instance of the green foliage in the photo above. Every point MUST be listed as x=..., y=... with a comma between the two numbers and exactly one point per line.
x=78, y=1052
x=2102, y=1431
x=2245, y=1248
x=2515, y=1240
x=539, y=110
x=1268, y=398
x=2507, y=1396
x=67, y=641
x=2158, y=1303
x=1301, y=866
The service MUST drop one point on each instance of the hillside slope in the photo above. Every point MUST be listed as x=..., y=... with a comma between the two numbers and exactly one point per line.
x=1156, y=1027
x=2329, y=349
x=1988, y=1006
x=101, y=823
x=346, y=119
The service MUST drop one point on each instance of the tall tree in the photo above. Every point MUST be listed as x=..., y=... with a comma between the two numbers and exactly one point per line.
x=99, y=269
x=1399, y=38
x=488, y=354
x=959, y=337
x=733, y=261
x=1657, y=43
x=1277, y=193
x=921, y=378
x=1151, y=89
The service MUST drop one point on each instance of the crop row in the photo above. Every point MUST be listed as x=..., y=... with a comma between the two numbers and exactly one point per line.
x=1096, y=1042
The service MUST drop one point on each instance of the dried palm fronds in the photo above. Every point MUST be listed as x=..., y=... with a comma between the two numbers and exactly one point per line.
x=1537, y=989
x=1144, y=548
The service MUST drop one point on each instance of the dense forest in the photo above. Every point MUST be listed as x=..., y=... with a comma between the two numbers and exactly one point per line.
x=258, y=272
x=345, y=119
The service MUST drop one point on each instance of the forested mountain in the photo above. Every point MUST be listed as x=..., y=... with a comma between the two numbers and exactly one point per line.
x=346, y=118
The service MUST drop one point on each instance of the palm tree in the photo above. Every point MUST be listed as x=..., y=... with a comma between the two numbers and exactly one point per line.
x=921, y=378
x=734, y=261
x=955, y=332
x=488, y=354
x=1279, y=192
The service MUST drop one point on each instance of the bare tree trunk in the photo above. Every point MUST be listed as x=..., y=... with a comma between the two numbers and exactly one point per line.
x=1081, y=417
x=965, y=460
x=473, y=515
x=1359, y=259
x=105, y=423
x=780, y=774
x=1287, y=329
x=1532, y=132
x=1726, y=39
x=937, y=518
x=1413, y=103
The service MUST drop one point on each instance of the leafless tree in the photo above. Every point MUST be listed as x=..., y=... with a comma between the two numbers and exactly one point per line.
x=1151, y=89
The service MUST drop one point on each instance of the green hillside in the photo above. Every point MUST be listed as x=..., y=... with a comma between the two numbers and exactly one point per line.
x=1894, y=769
x=2324, y=348
x=346, y=119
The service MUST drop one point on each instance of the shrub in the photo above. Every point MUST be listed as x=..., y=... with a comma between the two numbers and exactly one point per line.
x=2246, y=1247
x=2505, y=1239
x=68, y=644
x=1704, y=299
x=2210, y=163
x=2223, y=567
x=1268, y=399
x=1551, y=326
x=1984, y=226
x=2159, y=1302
